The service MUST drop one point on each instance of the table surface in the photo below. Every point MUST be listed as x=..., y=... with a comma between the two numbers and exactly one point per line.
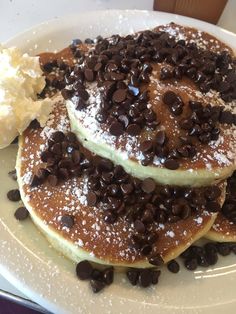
x=22, y=14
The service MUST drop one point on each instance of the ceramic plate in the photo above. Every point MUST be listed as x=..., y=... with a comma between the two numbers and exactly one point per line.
x=48, y=278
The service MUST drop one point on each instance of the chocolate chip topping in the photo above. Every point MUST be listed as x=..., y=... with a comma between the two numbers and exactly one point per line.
x=160, y=138
x=119, y=95
x=84, y=270
x=21, y=213
x=173, y=266
x=116, y=129
x=98, y=278
x=143, y=277
x=52, y=180
x=97, y=285
x=170, y=98
x=229, y=207
x=91, y=199
x=67, y=221
x=171, y=164
x=14, y=195
x=108, y=275
x=206, y=255
x=146, y=146
x=156, y=260
x=133, y=129
x=139, y=226
x=12, y=174
x=148, y=185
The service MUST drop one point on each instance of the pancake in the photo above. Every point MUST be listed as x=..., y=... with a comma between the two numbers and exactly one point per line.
x=224, y=228
x=214, y=160
x=89, y=237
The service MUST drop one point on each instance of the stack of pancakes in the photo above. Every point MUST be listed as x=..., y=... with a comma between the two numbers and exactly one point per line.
x=133, y=164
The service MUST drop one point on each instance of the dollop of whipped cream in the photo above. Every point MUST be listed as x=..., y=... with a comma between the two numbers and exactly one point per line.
x=21, y=80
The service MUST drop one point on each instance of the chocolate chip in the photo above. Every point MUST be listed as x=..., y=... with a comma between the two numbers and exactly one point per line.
x=133, y=276
x=223, y=249
x=106, y=165
x=76, y=41
x=88, y=41
x=110, y=218
x=213, y=206
x=21, y=213
x=160, y=137
x=71, y=137
x=67, y=221
x=145, y=278
x=80, y=104
x=212, y=258
x=116, y=129
x=155, y=276
x=202, y=260
x=169, y=98
x=108, y=275
x=117, y=76
x=171, y=164
x=152, y=238
x=57, y=136
x=146, y=146
x=66, y=93
x=35, y=181
x=156, y=260
x=97, y=274
x=139, y=226
x=76, y=157
x=14, y=195
x=226, y=117
x=101, y=117
x=126, y=188
x=45, y=155
x=65, y=163
x=83, y=94
x=12, y=175
x=34, y=125
x=133, y=129
x=213, y=192
x=185, y=211
x=84, y=270
x=52, y=180
x=89, y=75
x=98, y=67
x=176, y=109
x=42, y=174
x=119, y=95
x=173, y=266
x=147, y=216
x=91, y=199
x=148, y=185
x=166, y=74
x=186, y=124
x=124, y=120
x=56, y=149
x=191, y=263
x=233, y=248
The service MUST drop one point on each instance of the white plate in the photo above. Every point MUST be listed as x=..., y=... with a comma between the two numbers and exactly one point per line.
x=48, y=278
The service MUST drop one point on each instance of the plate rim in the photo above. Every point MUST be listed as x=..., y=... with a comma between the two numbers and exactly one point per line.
x=73, y=15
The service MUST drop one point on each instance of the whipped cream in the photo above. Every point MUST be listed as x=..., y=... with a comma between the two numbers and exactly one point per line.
x=21, y=79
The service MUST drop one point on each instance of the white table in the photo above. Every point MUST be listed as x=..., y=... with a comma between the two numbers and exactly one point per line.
x=18, y=15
